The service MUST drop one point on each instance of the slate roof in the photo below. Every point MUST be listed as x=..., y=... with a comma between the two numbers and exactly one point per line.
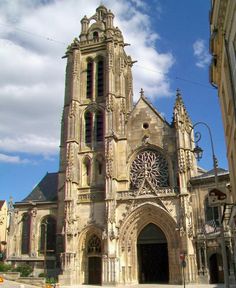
x=211, y=173
x=1, y=203
x=45, y=190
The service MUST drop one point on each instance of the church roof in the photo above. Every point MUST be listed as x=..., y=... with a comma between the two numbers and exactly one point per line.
x=45, y=190
x=2, y=203
x=210, y=174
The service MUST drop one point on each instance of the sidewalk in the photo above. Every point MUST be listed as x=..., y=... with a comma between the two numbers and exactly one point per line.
x=154, y=286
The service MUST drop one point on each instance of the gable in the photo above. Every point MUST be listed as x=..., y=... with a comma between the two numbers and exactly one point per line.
x=145, y=124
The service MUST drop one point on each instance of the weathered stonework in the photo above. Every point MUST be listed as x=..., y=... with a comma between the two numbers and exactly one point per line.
x=123, y=187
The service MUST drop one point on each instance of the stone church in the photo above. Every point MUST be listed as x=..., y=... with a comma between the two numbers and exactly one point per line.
x=129, y=202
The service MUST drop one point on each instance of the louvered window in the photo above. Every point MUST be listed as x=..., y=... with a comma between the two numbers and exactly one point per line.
x=99, y=126
x=89, y=79
x=88, y=127
x=100, y=78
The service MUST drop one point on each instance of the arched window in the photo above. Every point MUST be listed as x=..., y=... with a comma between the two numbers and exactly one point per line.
x=48, y=235
x=88, y=127
x=99, y=126
x=94, y=245
x=25, y=236
x=89, y=79
x=211, y=214
x=100, y=78
x=86, y=172
x=99, y=170
x=95, y=36
x=99, y=166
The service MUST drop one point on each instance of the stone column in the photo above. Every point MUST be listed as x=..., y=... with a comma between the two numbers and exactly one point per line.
x=33, y=233
x=203, y=271
x=110, y=270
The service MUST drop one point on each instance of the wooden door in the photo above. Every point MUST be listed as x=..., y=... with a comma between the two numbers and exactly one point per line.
x=95, y=270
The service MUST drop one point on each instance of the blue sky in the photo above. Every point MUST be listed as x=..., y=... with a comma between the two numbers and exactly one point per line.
x=168, y=38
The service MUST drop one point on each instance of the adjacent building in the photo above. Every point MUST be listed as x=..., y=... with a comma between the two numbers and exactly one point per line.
x=223, y=73
x=3, y=229
x=129, y=203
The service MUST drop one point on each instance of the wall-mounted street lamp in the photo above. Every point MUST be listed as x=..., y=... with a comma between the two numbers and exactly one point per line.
x=198, y=152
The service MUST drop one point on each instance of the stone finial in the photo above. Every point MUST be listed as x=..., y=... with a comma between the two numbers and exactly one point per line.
x=84, y=25
x=178, y=93
x=142, y=92
x=179, y=97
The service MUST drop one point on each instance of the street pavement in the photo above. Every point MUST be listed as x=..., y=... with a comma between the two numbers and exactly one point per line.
x=154, y=286
x=12, y=284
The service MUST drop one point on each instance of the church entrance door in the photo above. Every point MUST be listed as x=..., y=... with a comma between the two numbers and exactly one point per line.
x=152, y=255
x=94, y=270
x=216, y=269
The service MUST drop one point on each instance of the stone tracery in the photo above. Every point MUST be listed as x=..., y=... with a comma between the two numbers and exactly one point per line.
x=149, y=167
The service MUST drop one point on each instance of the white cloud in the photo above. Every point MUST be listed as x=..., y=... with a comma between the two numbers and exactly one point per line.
x=201, y=53
x=12, y=159
x=30, y=144
x=34, y=35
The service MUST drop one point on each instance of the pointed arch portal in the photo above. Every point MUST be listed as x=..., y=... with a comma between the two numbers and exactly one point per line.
x=94, y=260
x=152, y=250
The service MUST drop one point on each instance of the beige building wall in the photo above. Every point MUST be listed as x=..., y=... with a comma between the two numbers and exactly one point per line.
x=223, y=73
x=3, y=227
x=223, y=76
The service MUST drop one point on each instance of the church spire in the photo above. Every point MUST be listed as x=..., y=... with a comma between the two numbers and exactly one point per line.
x=180, y=111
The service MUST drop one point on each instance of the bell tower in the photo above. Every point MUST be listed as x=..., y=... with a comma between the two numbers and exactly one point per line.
x=98, y=100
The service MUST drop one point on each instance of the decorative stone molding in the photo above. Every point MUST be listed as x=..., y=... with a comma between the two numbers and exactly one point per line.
x=149, y=170
x=109, y=156
x=109, y=103
x=182, y=162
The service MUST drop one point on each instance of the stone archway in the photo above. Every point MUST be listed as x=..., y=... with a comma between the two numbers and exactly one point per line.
x=153, y=263
x=138, y=219
x=90, y=249
x=94, y=250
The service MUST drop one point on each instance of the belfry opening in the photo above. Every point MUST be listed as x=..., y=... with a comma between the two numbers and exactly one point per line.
x=153, y=264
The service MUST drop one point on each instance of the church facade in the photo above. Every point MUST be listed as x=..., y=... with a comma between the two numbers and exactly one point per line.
x=127, y=204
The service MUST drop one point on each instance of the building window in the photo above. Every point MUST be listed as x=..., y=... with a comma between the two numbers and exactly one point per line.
x=99, y=167
x=149, y=170
x=100, y=78
x=99, y=170
x=95, y=36
x=86, y=172
x=211, y=214
x=99, y=126
x=48, y=235
x=89, y=79
x=88, y=127
x=94, y=245
x=25, y=236
x=94, y=127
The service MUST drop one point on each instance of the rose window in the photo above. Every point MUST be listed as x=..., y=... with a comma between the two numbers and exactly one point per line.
x=149, y=168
